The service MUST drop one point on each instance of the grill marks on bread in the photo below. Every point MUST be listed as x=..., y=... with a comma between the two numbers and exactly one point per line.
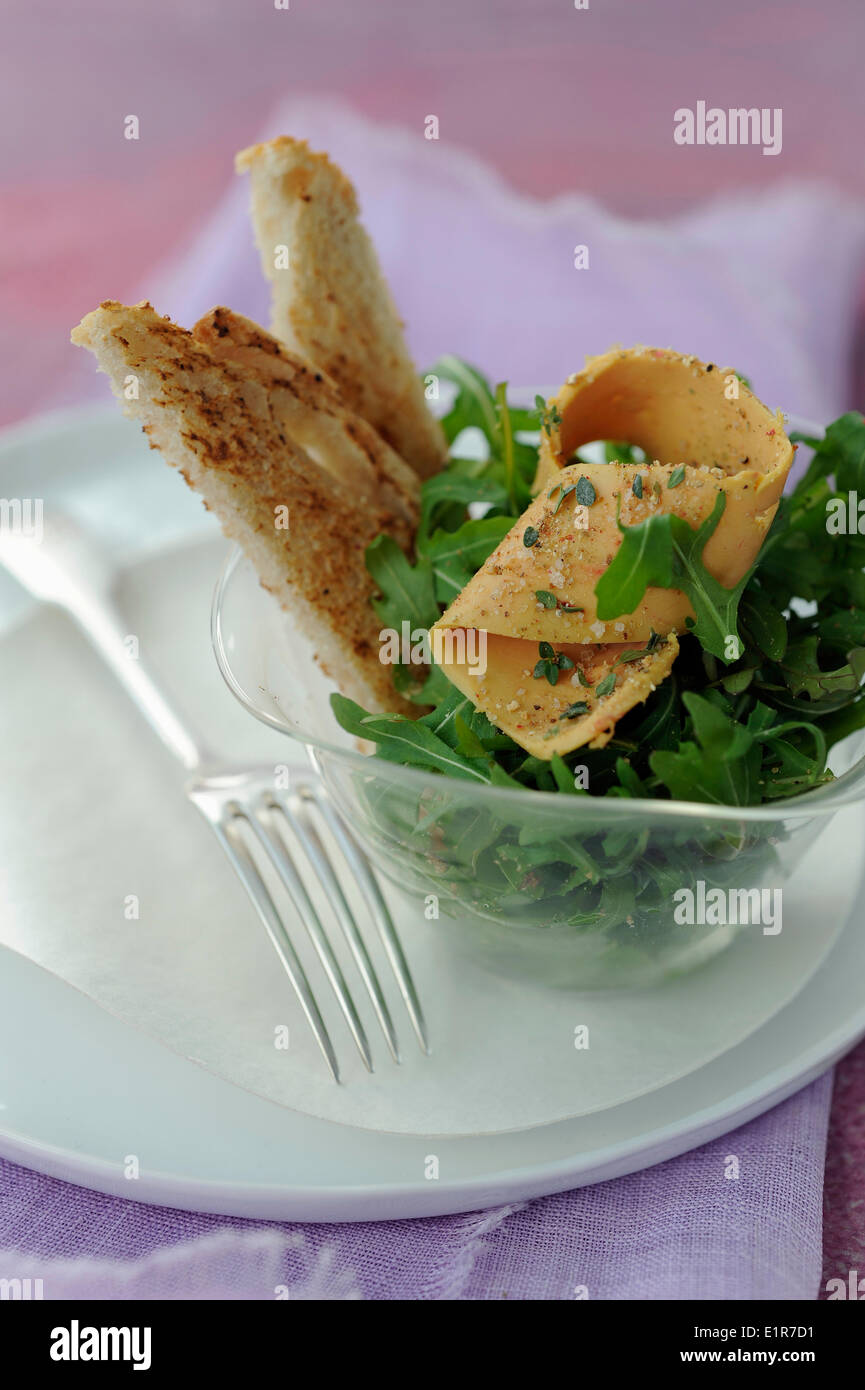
x=254, y=429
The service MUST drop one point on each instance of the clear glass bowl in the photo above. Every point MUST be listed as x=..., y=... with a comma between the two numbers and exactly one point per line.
x=506, y=871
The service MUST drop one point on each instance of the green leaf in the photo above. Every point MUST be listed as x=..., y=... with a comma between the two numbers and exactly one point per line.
x=644, y=559
x=537, y=847
x=575, y=710
x=524, y=420
x=564, y=777
x=664, y=551
x=788, y=769
x=803, y=675
x=843, y=446
x=734, y=682
x=606, y=686
x=617, y=451
x=548, y=415
x=844, y=628
x=468, y=741
x=586, y=494
x=474, y=407
x=442, y=720
x=629, y=779
x=721, y=766
x=716, y=608
x=563, y=493
x=530, y=537
x=404, y=740
x=455, y=556
x=432, y=688
x=349, y=715
x=661, y=725
x=407, y=591
x=763, y=625
x=506, y=444
x=677, y=476
x=759, y=728
x=451, y=487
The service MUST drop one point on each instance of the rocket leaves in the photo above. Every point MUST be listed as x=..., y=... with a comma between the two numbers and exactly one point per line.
x=456, y=555
x=768, y=677
x=664, y=551
x=723, y=761
x=735, y=724
x=842, y=450
x=644, y=559
x=408, y=591
x=412, y=741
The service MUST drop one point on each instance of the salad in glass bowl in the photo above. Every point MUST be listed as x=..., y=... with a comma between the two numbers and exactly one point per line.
x=583, y=671
x=600, y=866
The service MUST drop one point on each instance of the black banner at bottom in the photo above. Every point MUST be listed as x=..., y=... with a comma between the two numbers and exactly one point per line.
x=153, y=1338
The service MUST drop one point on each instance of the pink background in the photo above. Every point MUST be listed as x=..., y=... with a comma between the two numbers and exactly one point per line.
x=556, y=100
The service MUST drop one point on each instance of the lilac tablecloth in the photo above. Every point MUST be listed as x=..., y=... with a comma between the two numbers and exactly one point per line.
x=767, y=284
x=677, y=1231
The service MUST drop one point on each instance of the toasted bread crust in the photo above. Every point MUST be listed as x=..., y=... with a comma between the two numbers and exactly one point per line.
x=229, y=420
x=331, y=304
x=314, y=414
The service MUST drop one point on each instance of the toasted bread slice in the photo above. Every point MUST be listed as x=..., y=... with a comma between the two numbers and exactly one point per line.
x=315, y=415
x=227, y=424
x=330, y=302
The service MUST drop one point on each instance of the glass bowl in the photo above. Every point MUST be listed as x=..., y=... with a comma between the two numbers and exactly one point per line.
x=581, y=892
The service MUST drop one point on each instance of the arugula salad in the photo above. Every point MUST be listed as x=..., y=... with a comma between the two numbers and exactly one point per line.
x=734, y=730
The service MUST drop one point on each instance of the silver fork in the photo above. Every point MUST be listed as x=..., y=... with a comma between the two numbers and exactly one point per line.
x=254, y=822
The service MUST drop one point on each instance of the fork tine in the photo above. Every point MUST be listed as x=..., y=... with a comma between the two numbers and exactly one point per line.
x=278, y=853
x=378, y=908
x=244, y=866
x=318, y=857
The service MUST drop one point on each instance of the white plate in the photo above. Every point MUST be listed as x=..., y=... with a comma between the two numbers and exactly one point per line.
x=206, y=1145
x=80, y=1091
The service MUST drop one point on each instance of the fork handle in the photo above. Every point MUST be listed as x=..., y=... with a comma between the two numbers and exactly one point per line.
x=103, y=625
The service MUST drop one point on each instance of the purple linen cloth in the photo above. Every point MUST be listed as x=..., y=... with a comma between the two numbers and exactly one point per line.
x=765, y=283
x=680, y=1230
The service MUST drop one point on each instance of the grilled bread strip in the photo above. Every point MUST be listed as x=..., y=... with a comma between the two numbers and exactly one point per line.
x=316, y=417
x=331, y=303
x=227, y=426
